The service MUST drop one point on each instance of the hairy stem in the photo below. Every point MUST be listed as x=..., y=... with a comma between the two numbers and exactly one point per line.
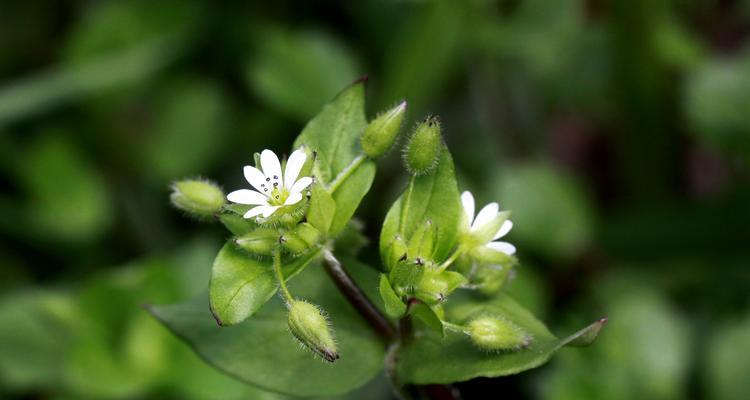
x=280, y=277
x=357, y=298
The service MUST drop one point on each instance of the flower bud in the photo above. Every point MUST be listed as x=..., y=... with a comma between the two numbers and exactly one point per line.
x=423, y=240
x=497, y=334
x=381, y=132
x=423, y=148
x=406, y=275
x=260, y=241
x=292, y=243
x=308, y=233
x=490, y=279
x=310, y=327
x=435, y=286
x=396, y=253
x=200, y=198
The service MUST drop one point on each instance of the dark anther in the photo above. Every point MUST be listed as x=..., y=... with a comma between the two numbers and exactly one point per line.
x=275, y=177
x=418, y=261
x=268, y=179
x=403, y=258
x=282, y=239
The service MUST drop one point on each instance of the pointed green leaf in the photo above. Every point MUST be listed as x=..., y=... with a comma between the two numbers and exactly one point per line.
x=454, y=359
x=322, y=208
x=393, y=304
x=432, y=197
x=334, y=133
x=350, y=192
x=261, y=350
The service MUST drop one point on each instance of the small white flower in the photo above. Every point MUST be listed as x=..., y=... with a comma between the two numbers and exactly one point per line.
x=272, y=189
x=487, y=214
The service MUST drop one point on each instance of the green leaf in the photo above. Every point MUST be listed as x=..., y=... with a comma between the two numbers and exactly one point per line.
x=322, y=208
x=334, y=133
x=261, y=351
x=429, y=359
x=393, y=304
x=431, y=197
x=427, y=315
x=350, y=192
x=299, y=72
x=241, y=283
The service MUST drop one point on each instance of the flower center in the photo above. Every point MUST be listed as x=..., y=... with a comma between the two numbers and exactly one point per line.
x=278, y=196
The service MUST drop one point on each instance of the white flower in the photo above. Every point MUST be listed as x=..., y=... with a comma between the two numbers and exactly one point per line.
x=272, y=189
x=487, y=214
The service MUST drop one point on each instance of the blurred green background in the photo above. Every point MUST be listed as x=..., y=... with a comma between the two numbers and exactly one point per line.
x=617, y=131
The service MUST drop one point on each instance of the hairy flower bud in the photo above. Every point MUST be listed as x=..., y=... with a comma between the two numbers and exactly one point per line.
x=292, y=243
x=310, y=327
x=497, y=334
x=423, y=148
x=260, y=241
x=381, y=132
x=199, y=198
x=308, y=233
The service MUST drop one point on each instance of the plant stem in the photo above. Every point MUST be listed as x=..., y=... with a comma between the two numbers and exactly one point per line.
x=346, y=173
x=280, y=277
x=357, y=298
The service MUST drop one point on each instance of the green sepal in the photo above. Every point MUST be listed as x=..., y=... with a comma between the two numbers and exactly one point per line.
x=394, y=306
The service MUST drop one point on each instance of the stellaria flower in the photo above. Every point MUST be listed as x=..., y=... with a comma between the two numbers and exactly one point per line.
x=486, y=215
x=272, y=189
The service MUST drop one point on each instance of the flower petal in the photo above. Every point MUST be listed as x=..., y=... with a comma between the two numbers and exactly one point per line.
x=504, y=247
x=268, y=210
x=294, y=198
x=507, y=226
x=254, y=212
x=293, y=166
x=247, y=196
x=486, y=214
x=271, y=166
x=467, y=200
x=255, y=177
x=301, y=184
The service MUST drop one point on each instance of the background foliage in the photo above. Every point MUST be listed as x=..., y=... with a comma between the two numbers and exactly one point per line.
x=616, y=131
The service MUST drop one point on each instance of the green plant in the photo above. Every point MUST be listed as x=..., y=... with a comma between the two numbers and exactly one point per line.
x=441, y=316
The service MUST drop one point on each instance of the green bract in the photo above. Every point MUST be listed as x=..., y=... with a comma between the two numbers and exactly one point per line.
x=443, y=273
